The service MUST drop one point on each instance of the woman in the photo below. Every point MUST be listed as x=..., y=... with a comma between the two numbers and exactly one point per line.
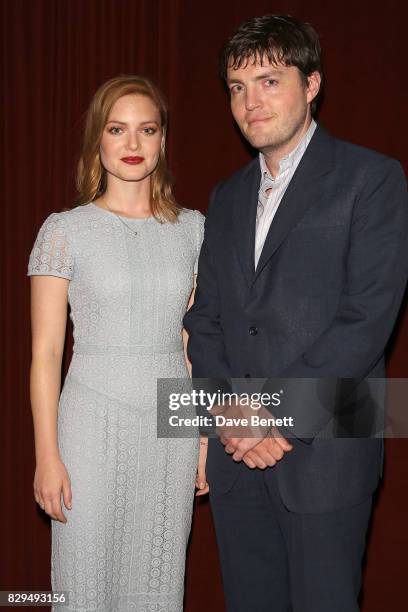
x=124, y=259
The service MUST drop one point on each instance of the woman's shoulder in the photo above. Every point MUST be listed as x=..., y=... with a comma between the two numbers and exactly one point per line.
x=192, y=217
x=76, y=213
x=71, y=219
x=54, y=249
x=193, y=221
x=68, y=215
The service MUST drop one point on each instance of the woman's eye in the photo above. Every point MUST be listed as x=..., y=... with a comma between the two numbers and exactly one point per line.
x=149, y=130
x=115, y=130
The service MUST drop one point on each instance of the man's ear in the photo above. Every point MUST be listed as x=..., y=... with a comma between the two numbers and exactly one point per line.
x=313, y=85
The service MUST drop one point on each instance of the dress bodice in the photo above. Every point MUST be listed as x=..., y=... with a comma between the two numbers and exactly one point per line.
x=125, y=290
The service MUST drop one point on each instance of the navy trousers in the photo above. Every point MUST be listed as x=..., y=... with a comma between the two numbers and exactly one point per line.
x=274, y=560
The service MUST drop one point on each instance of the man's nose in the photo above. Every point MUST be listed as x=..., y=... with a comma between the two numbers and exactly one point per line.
x=252, y=99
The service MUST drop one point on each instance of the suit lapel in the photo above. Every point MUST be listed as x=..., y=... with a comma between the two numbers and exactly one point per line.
x=244, y=218
x=303, y=191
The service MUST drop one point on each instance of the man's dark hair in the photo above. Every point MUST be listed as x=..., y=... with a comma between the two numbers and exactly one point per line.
x=281, y=39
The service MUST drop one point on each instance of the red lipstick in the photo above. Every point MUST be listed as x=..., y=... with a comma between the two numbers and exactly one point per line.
x=132, y=160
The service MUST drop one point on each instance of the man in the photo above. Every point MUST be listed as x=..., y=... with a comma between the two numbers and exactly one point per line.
x=301, y=276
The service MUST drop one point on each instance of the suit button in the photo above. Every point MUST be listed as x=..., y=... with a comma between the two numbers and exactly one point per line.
x=247, y=376
x=253, y=330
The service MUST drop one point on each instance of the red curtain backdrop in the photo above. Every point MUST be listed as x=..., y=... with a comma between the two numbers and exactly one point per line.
x=56, y=53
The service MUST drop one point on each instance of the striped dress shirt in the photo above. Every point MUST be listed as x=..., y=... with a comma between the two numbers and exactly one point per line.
x=272, y=190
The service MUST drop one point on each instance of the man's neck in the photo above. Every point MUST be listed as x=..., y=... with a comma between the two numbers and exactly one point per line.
x=273, y=157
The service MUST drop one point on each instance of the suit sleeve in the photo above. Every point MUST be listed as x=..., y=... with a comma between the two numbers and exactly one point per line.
x=376, y=274
x=205, y=348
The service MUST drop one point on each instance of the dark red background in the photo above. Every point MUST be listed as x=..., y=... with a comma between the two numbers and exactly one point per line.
x=57, y=52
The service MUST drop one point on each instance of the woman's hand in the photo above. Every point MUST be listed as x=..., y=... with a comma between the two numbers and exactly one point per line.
x=201, y=480
x=50, y=480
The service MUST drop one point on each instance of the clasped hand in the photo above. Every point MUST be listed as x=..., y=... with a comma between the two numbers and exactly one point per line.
x=258, y=446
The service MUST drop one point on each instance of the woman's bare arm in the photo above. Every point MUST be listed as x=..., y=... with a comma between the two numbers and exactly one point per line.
x=185, y=334
x=49, y=297
x=201, y=481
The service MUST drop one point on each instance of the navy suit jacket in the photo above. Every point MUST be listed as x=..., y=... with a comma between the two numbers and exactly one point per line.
x=323, y=302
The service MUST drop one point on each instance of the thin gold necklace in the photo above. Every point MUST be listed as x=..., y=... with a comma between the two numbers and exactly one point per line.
x=134, y=232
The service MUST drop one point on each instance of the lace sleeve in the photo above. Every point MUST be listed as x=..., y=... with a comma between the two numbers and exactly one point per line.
x=200, y=237
x=52, y=251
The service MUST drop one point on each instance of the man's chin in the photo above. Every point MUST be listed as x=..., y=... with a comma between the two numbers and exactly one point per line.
x=263, y=141
x=262, y=144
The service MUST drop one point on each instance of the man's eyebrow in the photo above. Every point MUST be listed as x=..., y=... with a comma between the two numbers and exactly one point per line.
x=271, y=72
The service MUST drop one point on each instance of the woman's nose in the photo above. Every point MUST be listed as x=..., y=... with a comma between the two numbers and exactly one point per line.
x=133, y=141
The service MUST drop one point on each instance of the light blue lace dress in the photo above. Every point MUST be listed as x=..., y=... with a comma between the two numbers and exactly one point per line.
x=123, y=547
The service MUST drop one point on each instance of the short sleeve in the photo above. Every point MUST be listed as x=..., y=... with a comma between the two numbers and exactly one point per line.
x=52, y=253
x=199, y=237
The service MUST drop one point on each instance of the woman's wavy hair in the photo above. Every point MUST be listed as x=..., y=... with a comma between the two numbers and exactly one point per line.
x=91, y=180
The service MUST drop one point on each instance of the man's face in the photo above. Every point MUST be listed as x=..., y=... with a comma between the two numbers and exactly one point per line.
x=270, y=103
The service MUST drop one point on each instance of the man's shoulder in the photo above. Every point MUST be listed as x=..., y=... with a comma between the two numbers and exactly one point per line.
x=355, y=156
x=227, y=186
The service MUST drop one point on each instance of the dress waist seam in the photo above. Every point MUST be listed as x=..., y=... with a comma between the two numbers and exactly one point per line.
x=81, y=348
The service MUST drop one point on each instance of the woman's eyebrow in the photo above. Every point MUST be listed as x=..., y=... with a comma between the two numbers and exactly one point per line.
x=124, y=123
x=149, y=121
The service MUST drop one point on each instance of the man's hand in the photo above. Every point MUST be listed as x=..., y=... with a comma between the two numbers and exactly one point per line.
x=258, y=452
x=259, y=446
x=267, y=453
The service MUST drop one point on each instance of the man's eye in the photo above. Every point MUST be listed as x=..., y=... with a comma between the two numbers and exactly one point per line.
x=115, y=130
x=271, y=82
x=235, y=89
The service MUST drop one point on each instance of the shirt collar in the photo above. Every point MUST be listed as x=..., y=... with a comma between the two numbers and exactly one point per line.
x=292, y=158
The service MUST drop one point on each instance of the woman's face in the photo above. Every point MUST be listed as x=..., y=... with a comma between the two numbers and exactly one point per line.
x=131, y=139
